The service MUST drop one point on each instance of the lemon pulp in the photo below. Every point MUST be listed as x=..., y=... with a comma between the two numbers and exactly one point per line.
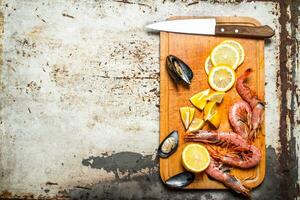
x=221, y=78
x=225, y=54
x=195, y=158
x=187, y=115
x=196, y=125
x=238, y=47
x=216, y=97
x=199, y=99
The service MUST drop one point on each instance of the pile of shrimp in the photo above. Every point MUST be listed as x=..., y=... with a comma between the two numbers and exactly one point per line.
x=244, y=156
x=245, y=117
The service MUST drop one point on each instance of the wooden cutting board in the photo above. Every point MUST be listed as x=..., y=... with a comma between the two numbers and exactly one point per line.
x=193, y=49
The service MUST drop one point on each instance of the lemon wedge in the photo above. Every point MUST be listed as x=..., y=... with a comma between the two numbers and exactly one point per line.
x=199, y=99
x=221, y=78
x=210, y=109
x=196, y=125
x=207, y=65
x=238, y=47
x=195, y=158
x=216, y=97
x=187, y=115
x=225, y=54
x=214, y=119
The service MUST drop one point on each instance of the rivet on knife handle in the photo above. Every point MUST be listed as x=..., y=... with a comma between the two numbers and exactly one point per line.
x=259, y=32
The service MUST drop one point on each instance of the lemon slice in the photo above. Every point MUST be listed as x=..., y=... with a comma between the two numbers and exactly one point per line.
x=221, y=78
x=195, y=158
x=187, y=115
x=214, y=119
x=196, y=125
x=207, y=65
x=216, y=97
x=199, y=99
x=238, y=47
x=225, y=54
x=210, y=109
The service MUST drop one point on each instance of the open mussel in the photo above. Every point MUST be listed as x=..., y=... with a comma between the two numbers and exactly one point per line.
x=180, y=180
x=169, y=145
x=178, y=70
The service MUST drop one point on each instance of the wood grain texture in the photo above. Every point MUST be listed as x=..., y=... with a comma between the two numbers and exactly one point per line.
x=193, y=49
x=261, y=32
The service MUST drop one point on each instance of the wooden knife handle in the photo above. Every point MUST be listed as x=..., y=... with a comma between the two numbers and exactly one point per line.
x=257, y=32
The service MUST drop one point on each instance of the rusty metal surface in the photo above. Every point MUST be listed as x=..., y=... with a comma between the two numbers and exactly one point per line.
x=80, y=98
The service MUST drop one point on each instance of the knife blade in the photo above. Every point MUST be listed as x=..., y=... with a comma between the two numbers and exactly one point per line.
x=210, y=26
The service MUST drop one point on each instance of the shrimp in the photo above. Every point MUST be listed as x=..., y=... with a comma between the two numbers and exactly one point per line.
x=240, y=118
x=216, y=171
x=244, y=155
x=256, y=104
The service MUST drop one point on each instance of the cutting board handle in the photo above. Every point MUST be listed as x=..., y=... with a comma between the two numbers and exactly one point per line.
x=258, y=32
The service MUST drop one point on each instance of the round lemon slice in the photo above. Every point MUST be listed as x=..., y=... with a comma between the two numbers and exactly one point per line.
x=225, y=54
x=238, y=47
x=195, y=158
x=208, y=65
x=221, y=78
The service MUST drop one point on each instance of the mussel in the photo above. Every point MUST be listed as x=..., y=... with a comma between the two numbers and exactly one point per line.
x=180, y=180
x=178, y=70
x=169, y=145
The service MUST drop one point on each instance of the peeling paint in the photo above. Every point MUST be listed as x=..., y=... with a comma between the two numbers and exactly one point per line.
x=286, y=81
x=123, y=162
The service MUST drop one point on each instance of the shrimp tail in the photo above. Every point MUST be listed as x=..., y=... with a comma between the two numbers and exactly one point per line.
x=216, y=171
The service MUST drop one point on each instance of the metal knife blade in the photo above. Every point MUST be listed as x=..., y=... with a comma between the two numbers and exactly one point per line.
x=209, y=26
x=192, y=26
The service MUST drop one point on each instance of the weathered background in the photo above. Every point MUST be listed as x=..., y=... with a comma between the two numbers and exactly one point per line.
x=80, y=98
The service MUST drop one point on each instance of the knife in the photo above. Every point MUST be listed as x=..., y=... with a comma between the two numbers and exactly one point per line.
x=210, y=26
